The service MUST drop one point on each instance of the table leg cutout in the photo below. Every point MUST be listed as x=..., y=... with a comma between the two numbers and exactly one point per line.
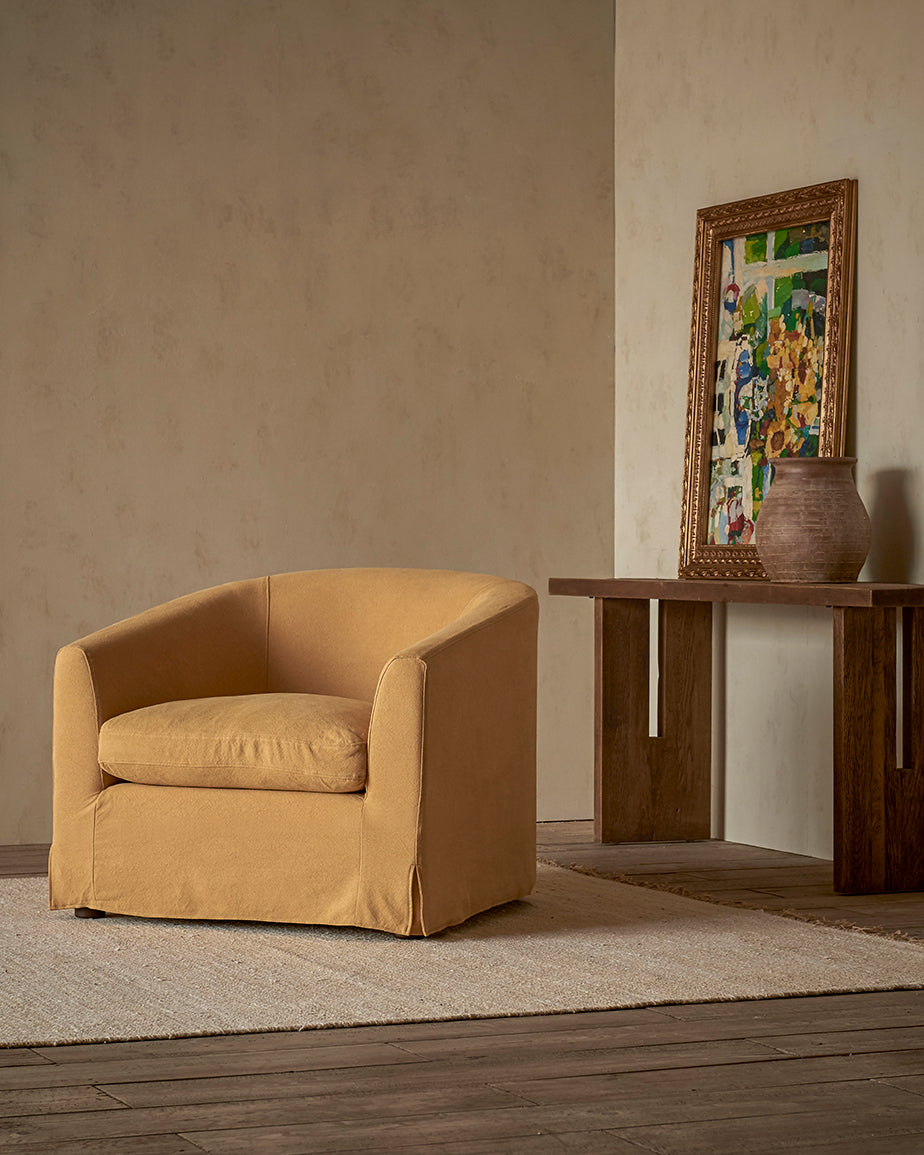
x=652, y=788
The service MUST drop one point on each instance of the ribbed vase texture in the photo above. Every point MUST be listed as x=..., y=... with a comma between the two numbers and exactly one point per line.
x=812, y=525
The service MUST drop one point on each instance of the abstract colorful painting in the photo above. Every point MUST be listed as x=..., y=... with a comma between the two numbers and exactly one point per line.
x=768, y=371
x=773, y=286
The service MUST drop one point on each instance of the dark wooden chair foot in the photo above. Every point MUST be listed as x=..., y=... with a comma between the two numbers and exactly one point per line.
x=88, y=912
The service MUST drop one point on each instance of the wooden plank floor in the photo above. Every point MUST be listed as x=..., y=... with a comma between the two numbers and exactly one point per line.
x=838, y=1073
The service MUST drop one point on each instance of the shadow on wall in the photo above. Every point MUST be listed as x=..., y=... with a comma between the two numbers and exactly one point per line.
x=892, y=552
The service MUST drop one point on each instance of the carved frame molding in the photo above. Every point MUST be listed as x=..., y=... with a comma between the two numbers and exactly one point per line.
x=836, y=202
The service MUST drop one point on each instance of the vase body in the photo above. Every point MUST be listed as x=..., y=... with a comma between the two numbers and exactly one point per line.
x=812, y=525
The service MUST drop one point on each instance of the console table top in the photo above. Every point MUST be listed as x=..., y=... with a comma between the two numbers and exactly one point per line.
x=864, y=594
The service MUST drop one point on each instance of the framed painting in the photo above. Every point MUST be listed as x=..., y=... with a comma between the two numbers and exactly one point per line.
x=769, y=360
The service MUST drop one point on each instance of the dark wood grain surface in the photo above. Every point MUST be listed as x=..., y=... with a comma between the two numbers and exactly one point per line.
x=652, y=786
x=749, y=592
x=648, y=787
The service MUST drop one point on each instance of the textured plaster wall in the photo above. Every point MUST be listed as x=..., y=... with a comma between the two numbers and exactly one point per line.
x=300, y=284
x=715, y=103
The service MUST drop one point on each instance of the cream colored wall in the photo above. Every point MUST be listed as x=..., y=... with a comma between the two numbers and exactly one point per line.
x=300, y=284
x=716, y=102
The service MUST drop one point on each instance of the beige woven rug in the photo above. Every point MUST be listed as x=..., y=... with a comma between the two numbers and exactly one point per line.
x=578, y=943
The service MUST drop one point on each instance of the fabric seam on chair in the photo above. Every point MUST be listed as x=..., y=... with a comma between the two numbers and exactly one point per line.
x=232, y=734
x=89, y=665
x=416, y=867
x=362, y=855
x=362, y=817
x=414, y=877
x=213, y=766
x=357, y=745
x=266, y=638
x=93, y=851
x=478, y=627
x=375, y=696
x=488, y=584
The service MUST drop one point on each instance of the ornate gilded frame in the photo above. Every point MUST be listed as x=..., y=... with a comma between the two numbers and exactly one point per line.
x=737, y=222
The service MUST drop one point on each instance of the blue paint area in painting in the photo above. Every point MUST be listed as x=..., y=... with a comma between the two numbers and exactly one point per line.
x=744, y=371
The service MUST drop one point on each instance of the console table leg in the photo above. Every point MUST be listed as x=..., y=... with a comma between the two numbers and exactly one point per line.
x=621, y=811
x=878, y=805
x=652, y=788
x=905, y=800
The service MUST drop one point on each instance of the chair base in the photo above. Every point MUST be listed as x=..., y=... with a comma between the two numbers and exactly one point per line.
x=88, y=912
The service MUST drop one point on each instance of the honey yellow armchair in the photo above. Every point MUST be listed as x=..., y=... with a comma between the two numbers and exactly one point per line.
x=343, y=747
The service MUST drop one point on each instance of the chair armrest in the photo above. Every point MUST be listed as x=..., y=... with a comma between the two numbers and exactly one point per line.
x=204, y=644
x=452, y=760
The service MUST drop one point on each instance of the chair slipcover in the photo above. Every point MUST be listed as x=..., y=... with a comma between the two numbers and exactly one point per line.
x=445, y=824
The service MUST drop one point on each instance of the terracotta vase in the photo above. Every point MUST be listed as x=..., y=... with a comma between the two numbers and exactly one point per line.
x=812, y=525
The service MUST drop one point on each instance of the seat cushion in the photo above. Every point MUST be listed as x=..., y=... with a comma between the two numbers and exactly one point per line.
x=252, y=741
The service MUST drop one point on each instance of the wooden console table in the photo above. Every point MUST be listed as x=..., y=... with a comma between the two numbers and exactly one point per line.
x=658, y=788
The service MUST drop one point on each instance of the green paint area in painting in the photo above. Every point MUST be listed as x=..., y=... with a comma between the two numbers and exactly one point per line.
x=816, y=281
x=755, y=248
x=782, y=292
x=801, y=239
x=758, y=469
x=750, y=306
x=783, y=246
